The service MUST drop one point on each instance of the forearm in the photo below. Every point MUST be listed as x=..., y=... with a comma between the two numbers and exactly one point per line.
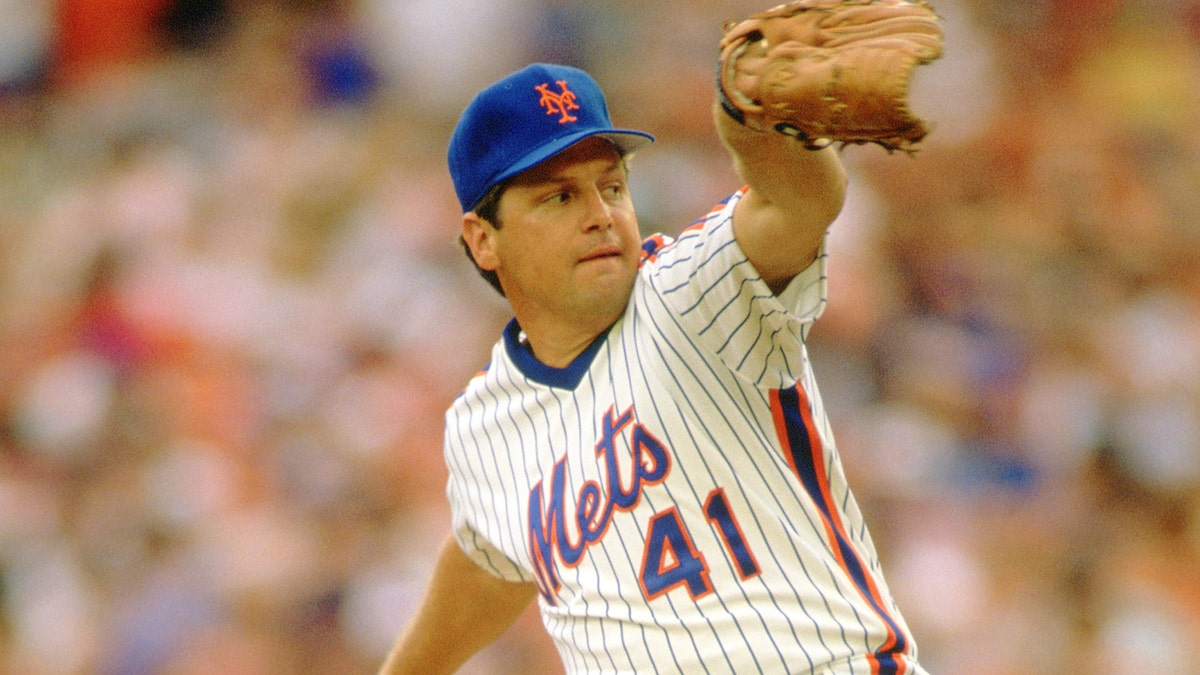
x=794, y=194
x=781, y=168
x=464, y=609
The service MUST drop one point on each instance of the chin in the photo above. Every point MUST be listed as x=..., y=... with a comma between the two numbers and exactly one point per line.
x=611, y=292
x=615, y=272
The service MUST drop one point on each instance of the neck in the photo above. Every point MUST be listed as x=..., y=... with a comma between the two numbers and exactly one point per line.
x=557, y=345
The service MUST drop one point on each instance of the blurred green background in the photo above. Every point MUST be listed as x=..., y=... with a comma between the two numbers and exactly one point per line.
x=232, y=313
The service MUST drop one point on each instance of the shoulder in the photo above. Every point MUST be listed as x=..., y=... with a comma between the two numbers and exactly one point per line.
x=474, y=393
x=699, y=231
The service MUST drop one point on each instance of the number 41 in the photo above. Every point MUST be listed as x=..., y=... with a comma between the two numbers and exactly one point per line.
x=671, y=559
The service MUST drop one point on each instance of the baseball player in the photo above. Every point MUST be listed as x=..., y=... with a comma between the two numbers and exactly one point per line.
x=646, y=454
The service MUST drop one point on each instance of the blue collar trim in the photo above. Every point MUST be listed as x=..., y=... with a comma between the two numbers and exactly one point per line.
x=561, y=378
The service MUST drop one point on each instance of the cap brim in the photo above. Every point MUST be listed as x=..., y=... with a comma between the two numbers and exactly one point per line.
x=627, y=140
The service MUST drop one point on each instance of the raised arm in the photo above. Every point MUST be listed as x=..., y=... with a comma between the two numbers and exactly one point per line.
x=794, y=194
x=798, y=78
x=464, y=609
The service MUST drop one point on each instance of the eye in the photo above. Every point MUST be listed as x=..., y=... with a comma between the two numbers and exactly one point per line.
x=615, y=189
x=559, y=197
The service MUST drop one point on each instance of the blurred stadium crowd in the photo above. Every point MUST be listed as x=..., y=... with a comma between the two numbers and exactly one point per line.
x=232, y=313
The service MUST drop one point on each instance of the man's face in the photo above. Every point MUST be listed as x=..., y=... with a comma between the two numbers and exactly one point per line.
x=568, y=248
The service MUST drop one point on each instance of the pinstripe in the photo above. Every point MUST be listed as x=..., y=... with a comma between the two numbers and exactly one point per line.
x=604, y=649
x=688, y=371
x=578, y=632
x=795, y=508
x=473, y=492
x=511, y=427
x=811, y=524
x=712, y=443
x=629, y=617
x=696, y=496
x=608, y=602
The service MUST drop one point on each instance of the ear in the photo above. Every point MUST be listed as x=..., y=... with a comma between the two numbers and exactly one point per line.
x=480, y=237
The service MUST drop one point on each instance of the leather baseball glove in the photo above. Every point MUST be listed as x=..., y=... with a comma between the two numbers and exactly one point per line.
x=829, y=71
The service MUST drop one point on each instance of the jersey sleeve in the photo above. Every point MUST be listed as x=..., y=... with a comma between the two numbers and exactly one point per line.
x=717, y=297
x=474, y=490
x=476, y=546
x=484, y=554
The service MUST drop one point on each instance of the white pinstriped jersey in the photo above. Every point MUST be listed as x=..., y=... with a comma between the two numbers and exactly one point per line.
x=675, y=492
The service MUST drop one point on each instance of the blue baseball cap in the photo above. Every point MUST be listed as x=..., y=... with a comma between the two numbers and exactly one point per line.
x=523, y=120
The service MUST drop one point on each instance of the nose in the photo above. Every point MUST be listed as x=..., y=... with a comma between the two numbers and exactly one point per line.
x=599, y=215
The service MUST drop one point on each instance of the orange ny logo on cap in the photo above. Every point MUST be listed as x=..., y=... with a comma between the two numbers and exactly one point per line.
x=558, y=103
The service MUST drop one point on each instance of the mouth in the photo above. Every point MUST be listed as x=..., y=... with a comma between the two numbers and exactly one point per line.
x=602, y=253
